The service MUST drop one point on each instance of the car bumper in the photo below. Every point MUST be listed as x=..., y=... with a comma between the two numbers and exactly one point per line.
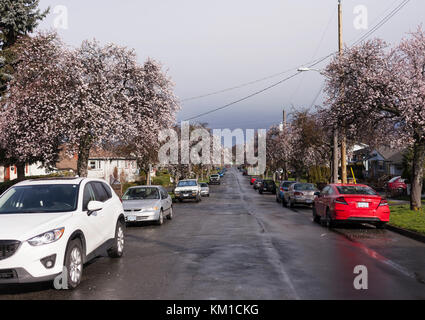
x=189, y=196
x=205, y=193
x=380, y=215
x=141, y=216
x=303, y=201
x=25, y=265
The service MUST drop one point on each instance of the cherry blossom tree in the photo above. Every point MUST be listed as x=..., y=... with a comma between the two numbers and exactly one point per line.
x=378, y=93
x=29, y=130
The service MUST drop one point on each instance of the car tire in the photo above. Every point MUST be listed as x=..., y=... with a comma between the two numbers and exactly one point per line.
x=117, y=250
x=171, y=214
x=381, y=225
x=316, y=218
x=290, y=203
x=74, y=263
x=160, y=220
x=328, y=222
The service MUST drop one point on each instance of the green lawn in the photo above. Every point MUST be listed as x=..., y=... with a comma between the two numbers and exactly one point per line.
x=403, y=217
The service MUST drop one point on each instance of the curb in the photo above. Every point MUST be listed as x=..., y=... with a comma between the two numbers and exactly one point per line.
x=407, y=233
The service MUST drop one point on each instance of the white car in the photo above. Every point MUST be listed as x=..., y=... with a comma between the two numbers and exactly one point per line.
x=188, y=189
x=147, y=203
x=51, y=227
x=205, y=189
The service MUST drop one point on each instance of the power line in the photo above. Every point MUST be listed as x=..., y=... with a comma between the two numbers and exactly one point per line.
x=316, y=62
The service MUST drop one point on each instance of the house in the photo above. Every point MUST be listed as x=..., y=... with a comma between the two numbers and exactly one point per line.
x=10, y=172
x=103, y=164
x=378, y=162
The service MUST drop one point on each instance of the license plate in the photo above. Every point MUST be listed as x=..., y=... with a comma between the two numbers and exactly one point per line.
x=131, y=218
x=185, y=195
x=309, y=201
x=362, y=204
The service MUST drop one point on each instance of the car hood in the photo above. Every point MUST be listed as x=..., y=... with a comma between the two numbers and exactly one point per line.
x=188, y=188
x=26, y=226
x=140, y=204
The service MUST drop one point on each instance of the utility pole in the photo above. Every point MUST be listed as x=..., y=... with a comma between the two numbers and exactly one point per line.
x=343, y=137
x=284, y=119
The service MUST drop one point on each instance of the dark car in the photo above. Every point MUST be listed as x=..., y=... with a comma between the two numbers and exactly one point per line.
x=257, y=183
x=267, y=186
x=214, y=179
x=283, y=187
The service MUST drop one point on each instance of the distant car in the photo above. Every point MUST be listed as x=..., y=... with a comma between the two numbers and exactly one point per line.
x=267, y=186
x=350, y=203
x=257, y=183
x=300, y=193
x=221, y=174
x=147, y=203
x=397, y=185
x=214, y=179
x=188, y=189
x=205, y=189
x=251, y=182
x=283, y=187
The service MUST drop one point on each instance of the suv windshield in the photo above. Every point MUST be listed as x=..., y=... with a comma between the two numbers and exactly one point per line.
x=204, y=185
x=187, y=183
x=355, y=190
x=40, y=199
x=141, y=193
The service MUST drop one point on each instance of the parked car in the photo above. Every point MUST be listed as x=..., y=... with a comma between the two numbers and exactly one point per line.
x=252, y=181
x=350, y=203
x=257, y=183
x=283, y=187
x=214, y=179
x=300, y=193
x=147, y=203
x=188, y=189
x=397, y=185
x=52, y=226
x=267, y=186
x=205, y=189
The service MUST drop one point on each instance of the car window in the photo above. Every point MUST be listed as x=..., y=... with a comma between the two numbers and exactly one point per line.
x=108, y=190
x=88, y=195
x=394, y=179
x=187, y=183
x=100, y=192
x=140, y=193
x=325, y=190
x=204, y=185
x=356, y=190
x=164, y=193
x=304, y=186
x=39, y=199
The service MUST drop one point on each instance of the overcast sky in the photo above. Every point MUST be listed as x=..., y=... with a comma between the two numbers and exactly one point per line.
x=207, y=46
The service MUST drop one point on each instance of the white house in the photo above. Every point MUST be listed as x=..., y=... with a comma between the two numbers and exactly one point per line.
x=10, y=172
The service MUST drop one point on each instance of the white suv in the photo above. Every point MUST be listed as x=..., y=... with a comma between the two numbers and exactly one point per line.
x=51, y=227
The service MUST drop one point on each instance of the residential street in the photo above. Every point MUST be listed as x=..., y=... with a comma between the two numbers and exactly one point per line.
x=238, y=244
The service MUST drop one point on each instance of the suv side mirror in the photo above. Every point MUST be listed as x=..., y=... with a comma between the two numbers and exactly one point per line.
x=317, y=193
x=94, y=206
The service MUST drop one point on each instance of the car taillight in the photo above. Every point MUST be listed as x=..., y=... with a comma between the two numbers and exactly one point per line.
x=298, y=194
x=383, y=203
x=341, y=200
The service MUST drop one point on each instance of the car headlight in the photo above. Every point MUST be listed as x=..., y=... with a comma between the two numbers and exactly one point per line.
x=151, y=209
x=47, y=237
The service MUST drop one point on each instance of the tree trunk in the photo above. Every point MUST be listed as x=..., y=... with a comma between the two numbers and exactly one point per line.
x=83, y=157
x=417, y=175
x=20, y=170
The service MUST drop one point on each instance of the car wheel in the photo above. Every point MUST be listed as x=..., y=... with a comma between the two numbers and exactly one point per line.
x=74, y=263
x=381, y=225
x=170, y=215
x=160, y=220
x=117, y=249
x=290, y=203
x=180, y=200
x=316, y=218
x=328, y=222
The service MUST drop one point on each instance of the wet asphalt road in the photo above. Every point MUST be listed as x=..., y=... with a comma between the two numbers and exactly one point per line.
x=238, y=244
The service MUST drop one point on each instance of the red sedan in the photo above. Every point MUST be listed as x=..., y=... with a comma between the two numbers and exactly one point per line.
x=252, y=181
x=350, y=203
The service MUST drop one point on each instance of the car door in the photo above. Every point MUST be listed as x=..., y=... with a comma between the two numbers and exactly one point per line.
x=166, y=201
x=106, y=215
x=92, y=223
x=320, y=204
